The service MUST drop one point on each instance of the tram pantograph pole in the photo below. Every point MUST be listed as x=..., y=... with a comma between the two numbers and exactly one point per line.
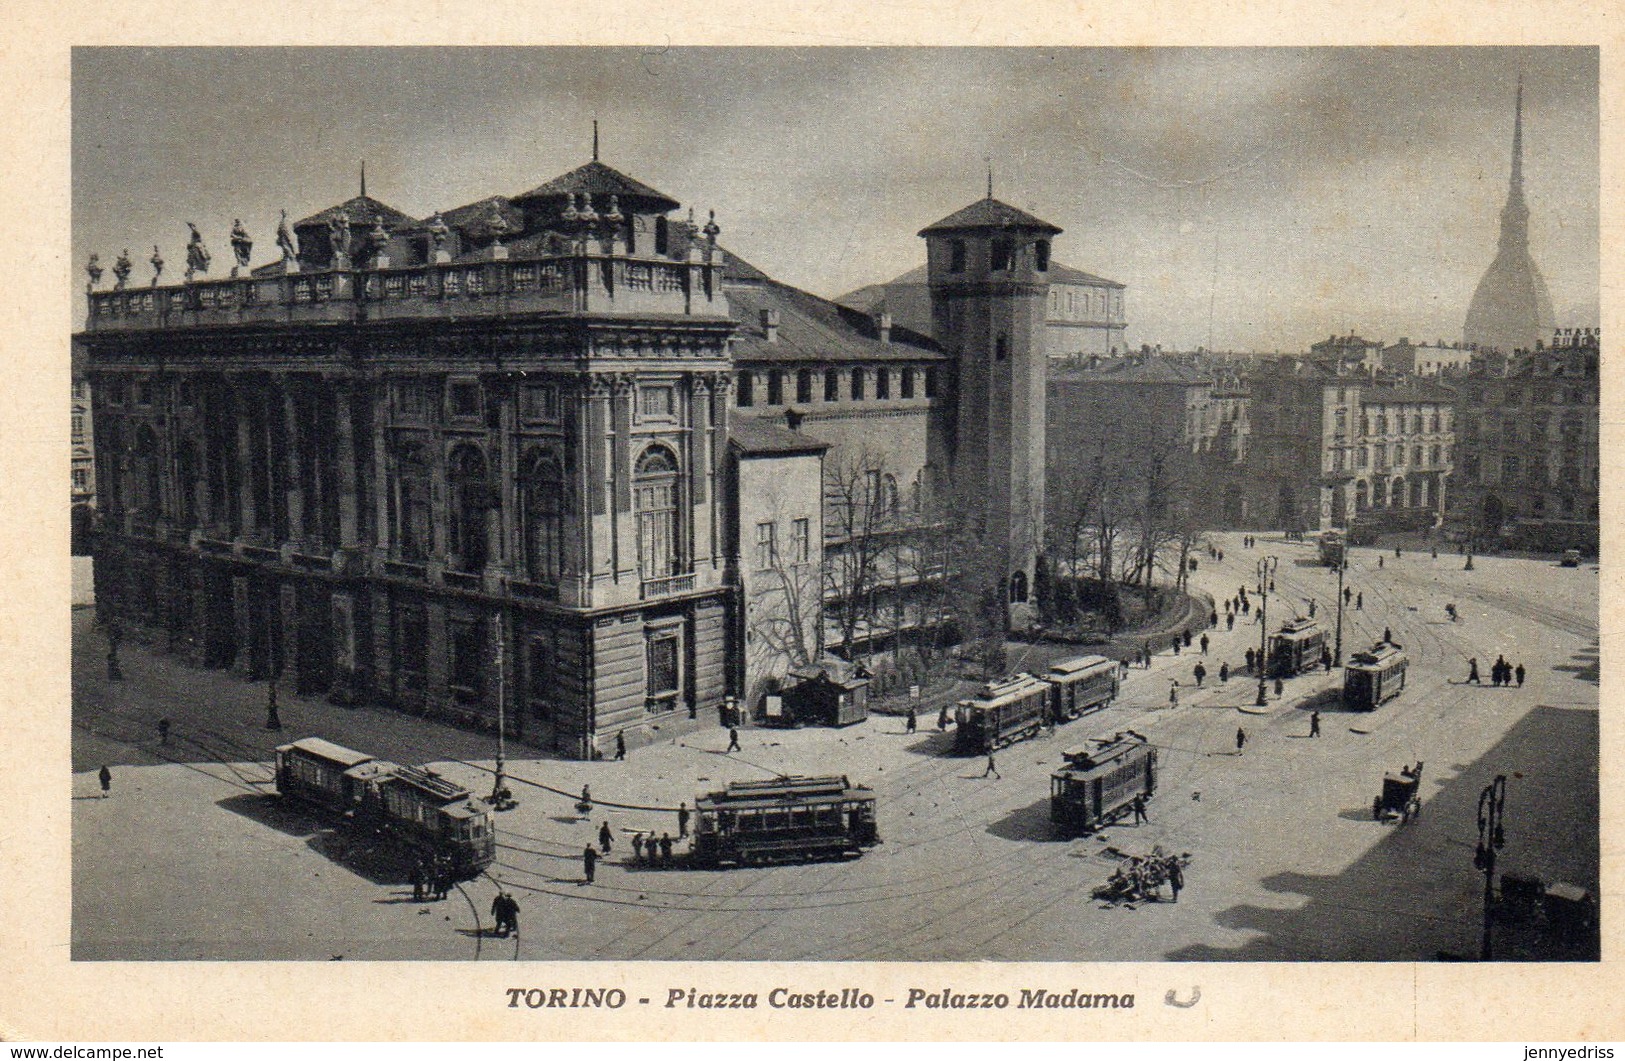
x=1266, y=568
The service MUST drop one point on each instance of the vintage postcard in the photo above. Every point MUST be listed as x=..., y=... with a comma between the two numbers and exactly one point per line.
x=813, y=529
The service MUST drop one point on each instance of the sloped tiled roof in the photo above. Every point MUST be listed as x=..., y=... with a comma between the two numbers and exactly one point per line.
x=756, y=435
x=1065, y=274
x=475, y=218
x=1151, y=370
x=989, y=213
x=597, y=179
x=869, y=298
x=813, y=329
x=361, y=210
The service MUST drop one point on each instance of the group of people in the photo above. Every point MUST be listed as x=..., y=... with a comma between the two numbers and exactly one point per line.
x=505, y=909
x=653, y=849
x=1139, y=878
x=1502, y=673
x=431, y=879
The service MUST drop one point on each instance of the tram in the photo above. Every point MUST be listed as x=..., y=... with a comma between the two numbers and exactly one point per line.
x=1087, y=683
x=1004, y=712
x=1100, y=782
x=787, y=819
x=1333, y=547
x=413, y=806
x=1297, y=648
x=1374, y=677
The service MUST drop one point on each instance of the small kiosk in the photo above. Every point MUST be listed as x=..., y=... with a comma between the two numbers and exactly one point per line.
x=828, y=692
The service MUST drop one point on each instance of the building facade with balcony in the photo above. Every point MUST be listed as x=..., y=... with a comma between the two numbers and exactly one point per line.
x=450, y=464
x=82, y=459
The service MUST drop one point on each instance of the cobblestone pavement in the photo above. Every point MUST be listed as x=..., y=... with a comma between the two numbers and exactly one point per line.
x=191, y=857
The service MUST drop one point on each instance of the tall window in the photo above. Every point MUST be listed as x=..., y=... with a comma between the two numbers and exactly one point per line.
x=654, y=496
x=832, y=385
x=542, y=507
x=800, y=541
x=146, y=466
x=956, y=256
x=744, y=392
x=906, y=381
x=665, y=673
x=466, y=667
x=411, y=645
x=804, y=386
x=775, y=388
x=414, y=534
x=882, y=383
x=543, y=674
x=472, y=497
x=1003, y=250
x=1041, y=255
x=857, y=385
x=767, y=546
x=78, y=428
x=657, y=402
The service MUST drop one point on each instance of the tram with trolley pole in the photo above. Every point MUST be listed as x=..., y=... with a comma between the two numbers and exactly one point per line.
x=412, y=806
x=1333, y=547
x=1374, y=677
x=1101, y=781
x=1081, y=685
x=1296, y=648
x=1004, y=712
x=784, y=820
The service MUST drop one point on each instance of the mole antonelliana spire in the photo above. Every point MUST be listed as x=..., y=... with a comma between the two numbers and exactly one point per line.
x=1512, y=307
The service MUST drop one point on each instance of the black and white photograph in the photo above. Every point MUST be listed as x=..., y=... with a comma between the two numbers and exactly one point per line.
x=835, y=505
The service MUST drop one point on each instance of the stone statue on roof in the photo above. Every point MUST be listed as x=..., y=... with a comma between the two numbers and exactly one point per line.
x=338, y=234
x=93, y=269
x=284, y=240
x=197, y=255
x=438, y=230
x=121, y=270
x=157, y=261
x=241, y=245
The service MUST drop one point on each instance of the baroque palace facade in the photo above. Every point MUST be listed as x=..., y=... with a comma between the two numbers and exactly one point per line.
x=481, y=464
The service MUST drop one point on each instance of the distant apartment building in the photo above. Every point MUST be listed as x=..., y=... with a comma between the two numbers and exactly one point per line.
x=1426, y=359
x=82, y=450
x=1351, y=351
x=1084, y=315
x=1529, y=426
x=1326, y=447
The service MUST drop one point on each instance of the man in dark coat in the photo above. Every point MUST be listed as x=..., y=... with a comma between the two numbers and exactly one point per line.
x=1472, y=672
x=1241, y=739
x=418, y=881
x=913, y=721
x=1224, y=671
x=499, y=913
x=992, y=767
x=1176, y=878
x=1314, y=723
x=733, y=740
x=1204, y=644
x=620, y=746
x=1519, y=673
x=682, y=820
x=942, y=719
x=605, y=837
x=665, y=847
x=589, y=863
x=1200, y=672
x=106, y=778
x=163, y=731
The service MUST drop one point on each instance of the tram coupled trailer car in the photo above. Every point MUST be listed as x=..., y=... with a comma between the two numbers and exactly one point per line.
x=1374, y=677
x=1297, y=648
x=1004, y=712
x=787, y=819
x=1087, y=683
x=316, y=771
x=1101, y=781
x=1333, y=546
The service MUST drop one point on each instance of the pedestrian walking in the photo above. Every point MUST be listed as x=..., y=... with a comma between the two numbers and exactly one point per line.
x=589, y=863
x=942, y=719
x=1146, y=649
x=1279, y=687
x=1379, y=560
x=665, y=847
x=105, y=776
x=1176, y=878
x=913, y=721
x=682, y=820
x=620, y=746
x=163, y=731
x=1187, y=639
x=1212, y=620
x=1359, y=602
x=605, y=837
x=1224, y=672
x=1221, y=556
x=1246, y=607
x=992, y=768
x=585, y=803
x=637, y=847
x=1204, y=644
x=1396, y=552
x=1519, y=672
x=510, y=914
x=1387, y=635
x=1472, y=672
x=1229, y=620
x=1173, y=695
x=1241, y=739
x=419, y=879
x=499, y=914
x=1176, y=646
x=1347, y=593
x=1311, y=607
x=1139, y=810
x=1314, y=723
x=733, y=740
x=1200, y=672
x=1252, y=657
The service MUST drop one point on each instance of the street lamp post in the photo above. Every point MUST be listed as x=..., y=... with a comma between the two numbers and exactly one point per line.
x=1491, y=838
x=1266, y=570
x=501, y=798
x=1337, y=649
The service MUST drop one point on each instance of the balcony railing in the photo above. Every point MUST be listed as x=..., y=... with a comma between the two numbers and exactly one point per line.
x=580, y=282
x=670, y=586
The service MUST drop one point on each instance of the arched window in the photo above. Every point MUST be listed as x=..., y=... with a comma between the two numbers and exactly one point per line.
x=804, y=386
x=542, y=508
x=471, y=498
x=654, y=498
x=1018, y=588
x=414, y=529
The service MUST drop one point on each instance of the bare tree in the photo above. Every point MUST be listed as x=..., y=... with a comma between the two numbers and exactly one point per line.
x=863, y=517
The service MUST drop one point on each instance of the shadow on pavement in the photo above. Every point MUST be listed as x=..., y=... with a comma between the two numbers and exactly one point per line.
x=1587, y=665
x=1028, y=823
x=278, y=813
x=934, y=744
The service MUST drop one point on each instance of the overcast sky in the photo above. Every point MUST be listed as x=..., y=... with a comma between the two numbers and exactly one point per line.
x=1272, y=196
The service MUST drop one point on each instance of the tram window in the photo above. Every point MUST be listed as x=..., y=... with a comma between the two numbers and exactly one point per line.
x=776, y=819
x=750, y=822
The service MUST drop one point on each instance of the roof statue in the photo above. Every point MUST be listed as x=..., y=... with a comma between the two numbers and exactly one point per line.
x=197, y=255
x=438, y=230
x=93, y=269
x=284, y=240
x=338, y=234
x=157, y=261
x=121, y=270
x=1512, y=307
x=241, y=245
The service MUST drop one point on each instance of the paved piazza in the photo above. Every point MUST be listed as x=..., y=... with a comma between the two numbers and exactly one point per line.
x=193, y=857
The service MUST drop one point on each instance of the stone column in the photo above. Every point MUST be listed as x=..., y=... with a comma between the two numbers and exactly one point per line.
x=203, y=635
x=344, y=457
x=383, y=534
x=295, y=484
x=242, y=615
x=248, y=514
x=287, y=664
x=345, y=688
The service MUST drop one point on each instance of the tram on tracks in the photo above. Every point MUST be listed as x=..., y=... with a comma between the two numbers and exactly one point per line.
x=1101, y=781
x=1374, y=677
x=423, y=812
x=784, y=820
x=1333, y=547
x=1296, y=648
x=1004, y=712
x=1081, y=685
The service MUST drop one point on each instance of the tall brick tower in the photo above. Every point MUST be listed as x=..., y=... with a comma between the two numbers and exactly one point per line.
x=988, y=270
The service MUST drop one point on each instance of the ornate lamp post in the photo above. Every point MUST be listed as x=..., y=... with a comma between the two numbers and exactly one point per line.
x=1337, y=648
x=501, y=798
x=1266, y=573
x=1491, y=838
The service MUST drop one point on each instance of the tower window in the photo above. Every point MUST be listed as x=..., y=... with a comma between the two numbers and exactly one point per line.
x=857, y=384
x=775, y=388
x=1001, y=255
x=956, y=256
x=1001, y=348
x=882, y=383
x=1041, y=255
x=804, y=386
x=832, y=385
x=908, y=382
x=746, y=397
